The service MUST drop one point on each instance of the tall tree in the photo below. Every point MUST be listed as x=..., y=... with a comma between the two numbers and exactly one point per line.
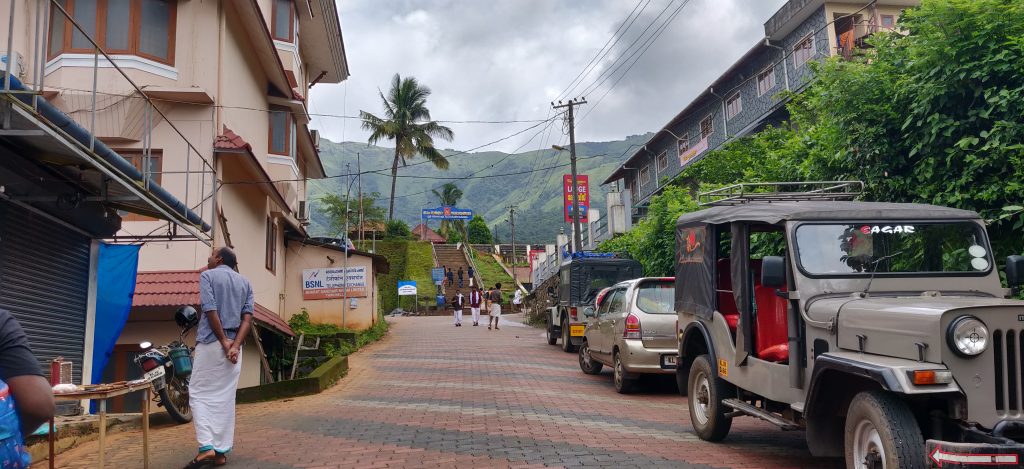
x=407, y=122
x=478, y=233
x=333, y=208
x=449, y=195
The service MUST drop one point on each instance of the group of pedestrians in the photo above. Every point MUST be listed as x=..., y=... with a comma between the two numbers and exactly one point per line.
x=460, y=274
x=490, y=300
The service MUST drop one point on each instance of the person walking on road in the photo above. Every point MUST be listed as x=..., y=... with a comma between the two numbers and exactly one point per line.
x=227, y=304
x=517, y=301
x=494, y=297
x=26, y=400
x=475, y=298
x=458, y=301
x=460, y=274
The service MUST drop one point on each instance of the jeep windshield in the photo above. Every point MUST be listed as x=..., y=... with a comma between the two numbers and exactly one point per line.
x=851, y=249
x=597, y=278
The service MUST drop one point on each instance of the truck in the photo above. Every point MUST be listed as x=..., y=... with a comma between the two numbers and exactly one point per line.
x=881, y=329
x=579, y=281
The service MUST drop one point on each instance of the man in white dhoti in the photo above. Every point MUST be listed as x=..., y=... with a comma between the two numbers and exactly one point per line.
x=494, y=306
x=457, y=304
x=475, y=298
x=227, y=304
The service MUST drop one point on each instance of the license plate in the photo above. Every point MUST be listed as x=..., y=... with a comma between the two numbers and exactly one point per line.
x=668, y=360
x=154, y=373
x=577, y=331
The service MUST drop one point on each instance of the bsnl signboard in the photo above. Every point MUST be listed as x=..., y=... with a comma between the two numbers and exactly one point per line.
x=326, y=284
x=581, y=193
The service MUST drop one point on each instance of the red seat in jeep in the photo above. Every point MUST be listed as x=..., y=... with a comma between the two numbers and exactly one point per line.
x=726, y=301
x=771, y=330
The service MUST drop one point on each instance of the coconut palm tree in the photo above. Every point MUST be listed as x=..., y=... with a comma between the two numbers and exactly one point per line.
x=450, y=195
x=406, y=121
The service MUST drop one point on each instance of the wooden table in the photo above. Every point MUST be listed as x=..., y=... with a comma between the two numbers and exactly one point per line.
x=102, y=396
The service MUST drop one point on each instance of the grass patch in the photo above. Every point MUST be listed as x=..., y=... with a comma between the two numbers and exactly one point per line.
x=409, y=260
x=491, y=273
x=338, y=348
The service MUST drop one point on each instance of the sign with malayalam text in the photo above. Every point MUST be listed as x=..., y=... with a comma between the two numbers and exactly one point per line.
x=446, y=212
x=687, y=155
x=570, y=196
x=437, y=275
x=406, y=287
x=334, y=282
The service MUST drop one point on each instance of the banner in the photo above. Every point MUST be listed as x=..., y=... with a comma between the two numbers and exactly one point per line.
x=406, y=287
x=446, y=212
x=688, y=154
x=570, y=196
x=330, y=283
x=437, y=275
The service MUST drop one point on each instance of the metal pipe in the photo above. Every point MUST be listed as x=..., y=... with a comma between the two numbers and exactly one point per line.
x=10, y=50
x=92, y=112
x=785, y=69
x=725, y=119
x=44, y=53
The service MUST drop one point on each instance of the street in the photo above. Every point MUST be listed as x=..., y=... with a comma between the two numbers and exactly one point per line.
x=432, y=395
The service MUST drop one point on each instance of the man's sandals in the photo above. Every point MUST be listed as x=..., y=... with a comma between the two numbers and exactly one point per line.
x=218, y=459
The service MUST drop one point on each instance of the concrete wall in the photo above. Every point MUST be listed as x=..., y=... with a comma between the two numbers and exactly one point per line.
x=328, y=311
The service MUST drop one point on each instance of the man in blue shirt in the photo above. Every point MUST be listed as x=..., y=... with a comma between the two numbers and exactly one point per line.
x=227, y=305
x=26, y=400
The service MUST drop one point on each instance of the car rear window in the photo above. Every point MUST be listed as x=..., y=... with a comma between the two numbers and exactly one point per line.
x=656, y=297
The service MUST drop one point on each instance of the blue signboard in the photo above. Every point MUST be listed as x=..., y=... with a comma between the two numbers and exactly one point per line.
x=446, y=212
x=437, y=275
x=406, y=287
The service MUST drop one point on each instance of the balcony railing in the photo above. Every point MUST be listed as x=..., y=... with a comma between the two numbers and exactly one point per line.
x=90, y=108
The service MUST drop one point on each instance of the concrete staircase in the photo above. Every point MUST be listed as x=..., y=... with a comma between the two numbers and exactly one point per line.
x=451, y=257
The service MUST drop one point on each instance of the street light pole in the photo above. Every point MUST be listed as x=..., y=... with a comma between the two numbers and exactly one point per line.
x=344, y=281
x=576, y=244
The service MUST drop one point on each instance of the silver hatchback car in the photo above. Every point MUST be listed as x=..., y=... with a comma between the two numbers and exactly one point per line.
x=632, y=330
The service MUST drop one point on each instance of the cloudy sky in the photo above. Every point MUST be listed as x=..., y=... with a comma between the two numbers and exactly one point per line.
x=506, y=60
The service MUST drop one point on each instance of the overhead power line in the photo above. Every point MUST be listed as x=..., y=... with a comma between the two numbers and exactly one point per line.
x=605, y=49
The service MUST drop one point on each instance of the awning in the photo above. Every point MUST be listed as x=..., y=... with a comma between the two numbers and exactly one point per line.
x=172, y=288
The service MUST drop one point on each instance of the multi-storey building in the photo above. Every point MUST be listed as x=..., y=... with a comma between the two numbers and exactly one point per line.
x=208, y=101
x=748, y=96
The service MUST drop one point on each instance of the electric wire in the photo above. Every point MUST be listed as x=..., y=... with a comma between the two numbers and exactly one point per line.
x=605, y=49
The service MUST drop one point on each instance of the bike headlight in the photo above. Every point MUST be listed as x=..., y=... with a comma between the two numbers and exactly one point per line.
x=968, y=336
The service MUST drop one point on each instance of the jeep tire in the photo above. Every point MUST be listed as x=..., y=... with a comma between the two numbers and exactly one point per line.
x=567, y=345
x=706, y=391
x=552, y=336
x=881, y=433
x=587, y=363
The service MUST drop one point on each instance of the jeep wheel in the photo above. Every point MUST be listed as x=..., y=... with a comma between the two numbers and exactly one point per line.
x=587, y=363
x=552, y=337
x=881, y=433
x=567, y=345
x=706, y=391
x=624, y=383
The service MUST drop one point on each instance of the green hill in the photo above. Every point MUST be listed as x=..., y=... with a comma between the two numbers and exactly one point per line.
x=537, y=194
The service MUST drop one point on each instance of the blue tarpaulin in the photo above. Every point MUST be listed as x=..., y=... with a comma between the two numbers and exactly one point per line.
x=115, y=286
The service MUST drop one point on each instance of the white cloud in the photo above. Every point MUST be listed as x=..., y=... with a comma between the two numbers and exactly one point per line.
x=507, y=59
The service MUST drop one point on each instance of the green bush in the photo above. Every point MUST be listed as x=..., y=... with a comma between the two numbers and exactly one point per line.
x=397, y=229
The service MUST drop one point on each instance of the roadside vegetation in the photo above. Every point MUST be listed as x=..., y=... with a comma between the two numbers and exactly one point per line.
x=491, y=273
x=929, y=115
x=409, y=260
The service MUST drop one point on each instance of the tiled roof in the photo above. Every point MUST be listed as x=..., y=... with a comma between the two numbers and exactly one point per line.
x=423, y=233
x=181, y=287
x=229, y=140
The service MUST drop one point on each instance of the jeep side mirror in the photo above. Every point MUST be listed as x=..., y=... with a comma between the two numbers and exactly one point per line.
x=551, y=291
x=773, y=271
x=1014, y=270
x=589, y=312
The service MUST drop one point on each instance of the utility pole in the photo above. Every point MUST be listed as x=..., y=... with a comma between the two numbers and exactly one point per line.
x=344, y=281
x=576, y=244
x=359, y=177
x=512, y=221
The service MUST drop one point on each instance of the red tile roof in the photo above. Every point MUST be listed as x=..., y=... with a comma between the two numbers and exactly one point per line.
x=229, y=140
x=181, y=287
x=423, y=233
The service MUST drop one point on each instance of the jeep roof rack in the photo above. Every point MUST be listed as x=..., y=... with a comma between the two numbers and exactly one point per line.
x=749, y=192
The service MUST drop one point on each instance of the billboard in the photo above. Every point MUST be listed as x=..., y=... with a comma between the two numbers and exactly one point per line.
x=569, y=196
x=446, y=212
x=330, y=283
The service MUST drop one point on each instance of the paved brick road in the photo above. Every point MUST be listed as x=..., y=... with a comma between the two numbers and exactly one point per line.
x=432, y=395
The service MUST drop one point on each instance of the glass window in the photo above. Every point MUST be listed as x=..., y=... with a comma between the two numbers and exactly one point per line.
x=888, y=21
x=892, y=247
x=765, y=81
x=656, y=297
x=271, y=258
x=803, y=51
x=615, y=303
x=57, y=25
x=645, y=175
x=707, y=127
x=283, y=20
x=733, y=106
x=118, y=23
x=84, y=13
x=280, y=131
x=663, y=161
x=155, y=31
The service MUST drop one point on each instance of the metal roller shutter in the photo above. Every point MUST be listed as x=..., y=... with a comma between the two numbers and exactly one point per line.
x=44, y=283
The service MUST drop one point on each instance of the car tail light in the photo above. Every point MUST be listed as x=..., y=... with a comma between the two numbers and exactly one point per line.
x=149, y=364
x=632, y=330
x=572, y=313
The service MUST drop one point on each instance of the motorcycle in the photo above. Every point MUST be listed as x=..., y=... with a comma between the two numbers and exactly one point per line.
x=169, y=367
